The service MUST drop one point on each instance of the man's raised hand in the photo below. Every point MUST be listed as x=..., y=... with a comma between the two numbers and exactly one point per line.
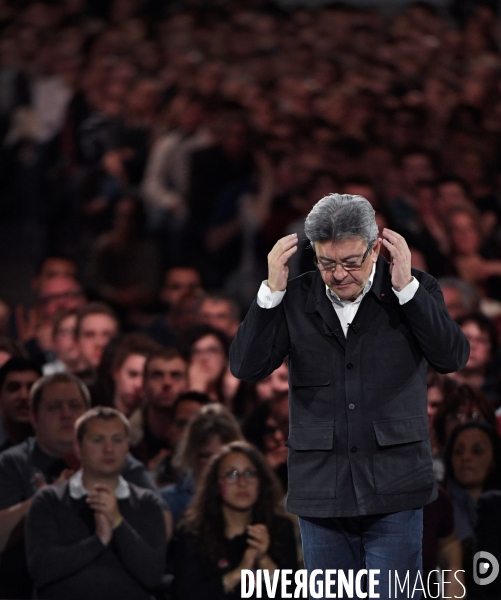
x=400, y=268
x=278, y=270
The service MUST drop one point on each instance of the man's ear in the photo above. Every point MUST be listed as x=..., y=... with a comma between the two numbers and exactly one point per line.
x=33, y=420
x=375, y=249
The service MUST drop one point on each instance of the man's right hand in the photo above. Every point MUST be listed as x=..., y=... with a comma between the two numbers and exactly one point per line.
x=104, y=530
x=278, y=270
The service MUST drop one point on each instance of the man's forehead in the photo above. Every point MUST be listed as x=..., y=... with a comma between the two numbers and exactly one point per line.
x=99, y=425
x=62, y=390
x=182, y=277
x=98, y=321
x=213, y=306
x=349, y=246
x=22, y=376
x=167, y=364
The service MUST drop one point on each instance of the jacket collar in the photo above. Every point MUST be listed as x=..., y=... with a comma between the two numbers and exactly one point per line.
x=381, y=286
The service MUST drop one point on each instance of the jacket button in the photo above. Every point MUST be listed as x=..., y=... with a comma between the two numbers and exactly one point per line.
x=351, y=406
x=353, y=448
x=349, y=366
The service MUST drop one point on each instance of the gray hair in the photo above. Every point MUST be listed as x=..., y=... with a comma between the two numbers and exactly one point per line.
x=339, y=217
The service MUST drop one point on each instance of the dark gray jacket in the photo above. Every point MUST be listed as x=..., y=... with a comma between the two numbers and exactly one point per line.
x=358, y=441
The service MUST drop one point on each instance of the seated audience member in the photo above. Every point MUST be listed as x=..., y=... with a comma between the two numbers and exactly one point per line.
x=438, y=387
x=466, y=243
x=212, y=427
x=123, y=267
x=96, y=535
x=472, y=466
x=235, y=523
x=185, y=407
x=221, y=312
x=460, y=297
x=208, y=354
x=488, y=539
x=482, y=369
x=64, y=345
x=120, y=374
x=460, y=404
x=209, y=370
x=262, y=429
x=165, y=377
x=96, y=325
x=10, y=349
x=56, y=295
x=56, y=402
x=441, y=548
x=180, y=294
x=16, y=378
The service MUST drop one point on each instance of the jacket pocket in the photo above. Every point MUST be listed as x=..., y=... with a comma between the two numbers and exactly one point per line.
x=402, y=462
x=310, y=377
x=312, y=462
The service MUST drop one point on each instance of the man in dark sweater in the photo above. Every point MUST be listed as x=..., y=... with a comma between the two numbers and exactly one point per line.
x=95, y=535
x=56, y=403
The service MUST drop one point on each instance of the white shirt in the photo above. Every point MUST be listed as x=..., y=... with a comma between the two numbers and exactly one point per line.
x=345, y=309
x=78, y=491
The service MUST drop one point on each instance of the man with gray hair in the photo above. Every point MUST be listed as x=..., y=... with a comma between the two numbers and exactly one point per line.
x=359, y=333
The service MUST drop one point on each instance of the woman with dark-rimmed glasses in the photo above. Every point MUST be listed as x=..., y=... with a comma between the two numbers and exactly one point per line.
x=235, y=523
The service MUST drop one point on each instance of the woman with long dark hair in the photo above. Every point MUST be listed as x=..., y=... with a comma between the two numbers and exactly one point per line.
x=235, y=523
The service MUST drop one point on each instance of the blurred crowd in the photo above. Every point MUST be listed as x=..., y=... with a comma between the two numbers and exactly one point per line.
x=151, y=154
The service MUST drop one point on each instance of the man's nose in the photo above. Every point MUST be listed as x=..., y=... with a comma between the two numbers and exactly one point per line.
x=108, y=445
x=339, y=272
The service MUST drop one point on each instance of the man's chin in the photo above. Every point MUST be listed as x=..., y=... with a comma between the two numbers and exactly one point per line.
x=345, y=292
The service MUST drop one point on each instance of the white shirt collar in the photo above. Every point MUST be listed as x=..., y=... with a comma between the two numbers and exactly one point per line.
x=334, y=298
x=78, y=491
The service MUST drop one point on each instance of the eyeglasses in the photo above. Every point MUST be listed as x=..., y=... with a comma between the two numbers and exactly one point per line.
x=249, y=476
x=350, y=265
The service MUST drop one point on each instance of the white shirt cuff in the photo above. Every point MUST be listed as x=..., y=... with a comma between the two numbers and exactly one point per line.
x=268, y=299
x=408, y=292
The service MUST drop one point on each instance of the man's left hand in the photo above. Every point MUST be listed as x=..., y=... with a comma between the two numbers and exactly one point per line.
x=400, y=268
x=102, y=499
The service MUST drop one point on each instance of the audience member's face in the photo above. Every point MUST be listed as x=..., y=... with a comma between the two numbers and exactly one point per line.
x=472, y=458
x=57, y=267
x=65, y=345
x=435, y=398
x=453, y=301
x=449, y=195
x=15, y=396
x=60, y=407
x=209, y=355
x=96, y=330
x=242, y=492
x=182, y=288
x=164, y=380
x=104, y=447
x=275, y=385
x=468, y=411
x=60, y=294
x=480, y=345
x=218, y=314
x=129, y=383
x=464, y=234
x=185, y=410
